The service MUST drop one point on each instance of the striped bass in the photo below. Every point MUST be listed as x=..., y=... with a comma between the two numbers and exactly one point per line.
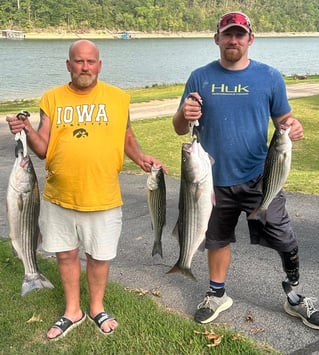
x=276, y=171
x=23, y=206
x=156, y=198
x=196, y=200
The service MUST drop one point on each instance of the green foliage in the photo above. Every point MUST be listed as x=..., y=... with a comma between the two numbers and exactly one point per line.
x=157, y=15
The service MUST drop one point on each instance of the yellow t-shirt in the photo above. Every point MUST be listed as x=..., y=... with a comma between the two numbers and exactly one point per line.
x=86, y=148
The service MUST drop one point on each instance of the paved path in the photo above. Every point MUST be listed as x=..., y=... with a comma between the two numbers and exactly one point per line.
x=254, y=280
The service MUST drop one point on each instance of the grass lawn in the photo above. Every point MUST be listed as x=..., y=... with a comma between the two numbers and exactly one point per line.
x=144, y=326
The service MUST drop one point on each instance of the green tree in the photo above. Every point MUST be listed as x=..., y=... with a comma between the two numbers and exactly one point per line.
x=157, y=15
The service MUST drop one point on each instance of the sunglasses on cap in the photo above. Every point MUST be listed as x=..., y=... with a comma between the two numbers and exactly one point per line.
x=234, y=19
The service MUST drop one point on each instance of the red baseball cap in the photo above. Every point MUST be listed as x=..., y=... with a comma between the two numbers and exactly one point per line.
x=231, y=19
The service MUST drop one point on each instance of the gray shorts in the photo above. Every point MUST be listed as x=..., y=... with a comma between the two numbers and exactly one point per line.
x=231, y=201
x=96, y=232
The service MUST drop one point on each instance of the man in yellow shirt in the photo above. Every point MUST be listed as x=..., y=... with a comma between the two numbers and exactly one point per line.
x=83, y=133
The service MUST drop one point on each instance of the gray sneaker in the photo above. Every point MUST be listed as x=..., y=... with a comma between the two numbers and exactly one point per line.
x=209, y=309
x=305, y=310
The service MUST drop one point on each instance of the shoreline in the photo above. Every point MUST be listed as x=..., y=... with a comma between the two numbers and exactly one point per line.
x=104, y=34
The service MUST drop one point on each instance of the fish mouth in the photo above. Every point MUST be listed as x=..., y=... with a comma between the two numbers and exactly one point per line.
x=283, y=129
x=187, y=147
x=19, y=151
x=24, y=161
x=156, y=166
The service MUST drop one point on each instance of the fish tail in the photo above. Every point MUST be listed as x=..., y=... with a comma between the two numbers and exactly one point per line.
x=157, y=248
x=33, y=283
x=178, y=270
x=258, y=215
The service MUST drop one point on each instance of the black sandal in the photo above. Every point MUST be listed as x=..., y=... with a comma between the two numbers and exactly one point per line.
x=100, y=319
x=66, y=325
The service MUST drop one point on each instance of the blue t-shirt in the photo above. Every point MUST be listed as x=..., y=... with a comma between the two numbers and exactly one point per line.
x=236, y=109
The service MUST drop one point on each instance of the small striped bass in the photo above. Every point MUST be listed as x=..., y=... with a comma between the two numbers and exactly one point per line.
x=156, y=198
x=196, y=200
x=23, y=206
x=276, y=171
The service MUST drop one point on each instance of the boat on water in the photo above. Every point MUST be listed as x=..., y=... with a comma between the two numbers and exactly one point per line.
x=122, y=35
x=13, y=34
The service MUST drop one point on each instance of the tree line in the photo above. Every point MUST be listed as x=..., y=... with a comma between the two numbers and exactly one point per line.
x=156, y=15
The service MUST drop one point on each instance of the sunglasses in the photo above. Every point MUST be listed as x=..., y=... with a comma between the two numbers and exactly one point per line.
x=234, y=18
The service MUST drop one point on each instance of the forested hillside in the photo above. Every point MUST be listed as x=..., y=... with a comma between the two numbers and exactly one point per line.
x=156, y=15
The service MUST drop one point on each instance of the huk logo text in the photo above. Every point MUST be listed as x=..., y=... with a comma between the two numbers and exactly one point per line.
x=233, y=90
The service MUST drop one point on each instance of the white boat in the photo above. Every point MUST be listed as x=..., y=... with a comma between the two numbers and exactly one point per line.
x=12, y=34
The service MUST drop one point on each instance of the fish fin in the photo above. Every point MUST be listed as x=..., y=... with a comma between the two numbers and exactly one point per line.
x=39, y=237
x=15, y=248
x=15, y=253
x=258, y=215
x=211, y=159
x=213, y=198
x=20, y=202
x=198, y=192
x=178, y=270
x=175, y=232
x=157, y=248
x=202, y=246
x=34, y=282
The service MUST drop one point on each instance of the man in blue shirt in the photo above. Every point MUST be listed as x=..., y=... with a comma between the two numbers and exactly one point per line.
x=233, y=98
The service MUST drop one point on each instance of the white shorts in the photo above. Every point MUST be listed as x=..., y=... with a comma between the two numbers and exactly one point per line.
x=96, y=232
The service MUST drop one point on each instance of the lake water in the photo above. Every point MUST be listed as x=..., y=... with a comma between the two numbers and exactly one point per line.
x=30, y=67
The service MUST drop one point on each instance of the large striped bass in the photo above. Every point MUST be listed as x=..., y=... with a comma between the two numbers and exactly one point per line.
x=23, y=206
x=196, y=200
x=156, y=198
x=276, y=171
